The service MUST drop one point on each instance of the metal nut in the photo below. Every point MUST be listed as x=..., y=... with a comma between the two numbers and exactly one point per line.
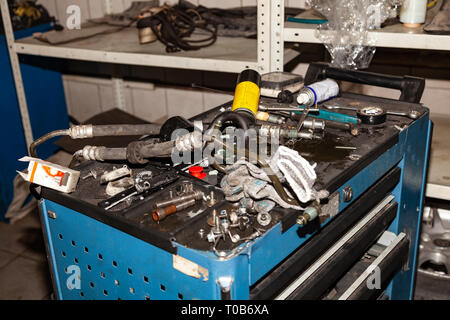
x=264, y=218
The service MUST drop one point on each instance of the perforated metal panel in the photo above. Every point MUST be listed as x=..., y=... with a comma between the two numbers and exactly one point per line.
x=112, y=264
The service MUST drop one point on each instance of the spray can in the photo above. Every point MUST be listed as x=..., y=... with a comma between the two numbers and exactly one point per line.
x=247, y=94
x=318, y=92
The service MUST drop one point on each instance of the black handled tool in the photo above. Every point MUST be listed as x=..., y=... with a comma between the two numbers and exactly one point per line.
x=411, y=87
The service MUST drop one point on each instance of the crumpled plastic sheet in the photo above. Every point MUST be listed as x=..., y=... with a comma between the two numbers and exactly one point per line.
x=346, y=34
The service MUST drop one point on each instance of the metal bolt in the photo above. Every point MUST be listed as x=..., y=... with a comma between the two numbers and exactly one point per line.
x=212, y=219
x=201, y=233
x=347, y=194
x=301, y=220
x=212, y=199
x=211, y=237
x=51, y=214
x=92, y=173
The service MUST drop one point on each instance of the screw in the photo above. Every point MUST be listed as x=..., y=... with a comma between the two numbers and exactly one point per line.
x=347, y=194
x=92, y=173
x=212, y=199
x=201, y=233
x=51, y=214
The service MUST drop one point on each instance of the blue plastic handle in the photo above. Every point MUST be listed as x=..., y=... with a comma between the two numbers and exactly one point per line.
x=333, y=116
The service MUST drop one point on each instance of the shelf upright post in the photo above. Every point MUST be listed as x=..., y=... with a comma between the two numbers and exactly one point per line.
x=270, y=35
x=264, y=41
x=117, y=81
x=17, y=74
x=276, y=36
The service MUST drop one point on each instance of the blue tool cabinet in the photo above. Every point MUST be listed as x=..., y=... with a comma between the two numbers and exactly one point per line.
x=112, y=263
x=46, y=104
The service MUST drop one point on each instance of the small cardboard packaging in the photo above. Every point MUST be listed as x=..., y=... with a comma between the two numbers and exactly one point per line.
x=50, y=175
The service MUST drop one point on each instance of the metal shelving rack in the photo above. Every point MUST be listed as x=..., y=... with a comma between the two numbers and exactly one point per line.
x=265, y=54
x=227, y=55
x=397, y=36
x=393, y=36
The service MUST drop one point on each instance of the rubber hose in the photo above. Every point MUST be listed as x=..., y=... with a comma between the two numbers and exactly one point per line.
x=163, y=149
x=48, y=136
x=230, y=116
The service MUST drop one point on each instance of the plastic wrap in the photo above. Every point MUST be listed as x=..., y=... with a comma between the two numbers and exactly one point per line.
x=346, y=34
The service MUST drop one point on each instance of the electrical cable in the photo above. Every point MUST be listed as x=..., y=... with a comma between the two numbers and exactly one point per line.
x=174, y=27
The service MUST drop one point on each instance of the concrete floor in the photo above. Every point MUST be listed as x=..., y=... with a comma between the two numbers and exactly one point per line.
x=24, y=271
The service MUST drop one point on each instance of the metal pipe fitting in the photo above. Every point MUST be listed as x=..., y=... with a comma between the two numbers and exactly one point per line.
x=103, y=153
x=267, y=117
x=314, y=124
x=308, y=215
x=189, y=141
x=82, y=132
x=276, y=132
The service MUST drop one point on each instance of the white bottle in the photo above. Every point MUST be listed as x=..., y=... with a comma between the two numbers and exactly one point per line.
x=318, y=92
x=413, y=13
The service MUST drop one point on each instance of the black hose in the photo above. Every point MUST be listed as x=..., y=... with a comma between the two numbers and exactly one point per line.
x=163, y=149
x=109, y=154
x=229, y=116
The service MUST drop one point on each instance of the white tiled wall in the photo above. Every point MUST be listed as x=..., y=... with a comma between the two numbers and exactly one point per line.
x=87, y=96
